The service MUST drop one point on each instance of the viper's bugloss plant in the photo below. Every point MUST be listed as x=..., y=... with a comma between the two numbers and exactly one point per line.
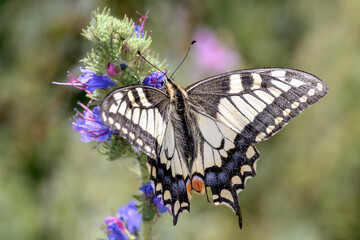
x=114, y=62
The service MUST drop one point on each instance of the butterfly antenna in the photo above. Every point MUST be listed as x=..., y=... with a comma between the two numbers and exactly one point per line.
x=183, y=58
x=138, y=52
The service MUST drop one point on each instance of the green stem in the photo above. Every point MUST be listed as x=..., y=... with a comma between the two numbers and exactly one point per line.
x=146, y=228
x=145, y=177
x=147, y=212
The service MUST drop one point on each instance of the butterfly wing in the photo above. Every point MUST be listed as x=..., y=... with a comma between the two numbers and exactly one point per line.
x=235, y=110
x=140, y=114
x=257, y=103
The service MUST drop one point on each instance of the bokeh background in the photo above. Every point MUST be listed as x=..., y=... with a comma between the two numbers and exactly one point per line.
x=52, y=186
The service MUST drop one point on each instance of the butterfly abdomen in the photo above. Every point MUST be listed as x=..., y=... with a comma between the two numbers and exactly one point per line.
x=179, y=117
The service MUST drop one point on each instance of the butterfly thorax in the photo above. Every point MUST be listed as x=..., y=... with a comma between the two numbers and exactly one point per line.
x=176, y=93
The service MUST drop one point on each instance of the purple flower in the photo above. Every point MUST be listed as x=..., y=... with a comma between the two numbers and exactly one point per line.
x=211, y=56
x=115, y=229
x=139, y=25
x=155, y=79
x=90, y=125
x=156, y=201
x=88, y=81
x=125, y=225
x=92, y=81
x=130, y=216
x=111, y=70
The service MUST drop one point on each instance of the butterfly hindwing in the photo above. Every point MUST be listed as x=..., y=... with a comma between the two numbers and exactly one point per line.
x=257, y=103
x=169, y=172
x=224, y=162
x=139, y=114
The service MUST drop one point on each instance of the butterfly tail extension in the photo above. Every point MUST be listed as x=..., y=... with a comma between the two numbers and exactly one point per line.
x=227, y=182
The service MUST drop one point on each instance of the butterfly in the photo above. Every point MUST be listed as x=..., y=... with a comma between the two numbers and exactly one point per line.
x=201, y=139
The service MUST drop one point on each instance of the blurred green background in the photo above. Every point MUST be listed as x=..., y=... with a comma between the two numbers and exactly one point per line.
x=52, y=186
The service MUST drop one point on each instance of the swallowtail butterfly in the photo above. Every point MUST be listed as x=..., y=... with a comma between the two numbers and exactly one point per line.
x=203, y=137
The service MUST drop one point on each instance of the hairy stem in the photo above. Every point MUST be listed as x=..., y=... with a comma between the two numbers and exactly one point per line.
x=147, y=212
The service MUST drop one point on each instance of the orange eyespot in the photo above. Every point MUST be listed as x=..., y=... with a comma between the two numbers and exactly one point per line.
x=198, y=184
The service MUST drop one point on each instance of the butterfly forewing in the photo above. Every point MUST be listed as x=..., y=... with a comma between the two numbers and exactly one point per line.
x=257, y=103
x=139, y=114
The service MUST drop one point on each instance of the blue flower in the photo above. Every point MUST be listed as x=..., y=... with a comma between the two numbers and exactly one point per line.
x=156, y=201
x=92, y=81
x=130, y=216
x=138, y=29
x=159, y=205
x=155, y=79
x=115, y=229
x=147, y=189
x=90, y=125
x=125, y=225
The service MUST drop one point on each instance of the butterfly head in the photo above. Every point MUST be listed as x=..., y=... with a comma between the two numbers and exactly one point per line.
x=170, y=87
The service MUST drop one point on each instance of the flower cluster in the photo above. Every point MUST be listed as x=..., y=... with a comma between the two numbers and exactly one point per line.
x=113, y=62
x=125, y=225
